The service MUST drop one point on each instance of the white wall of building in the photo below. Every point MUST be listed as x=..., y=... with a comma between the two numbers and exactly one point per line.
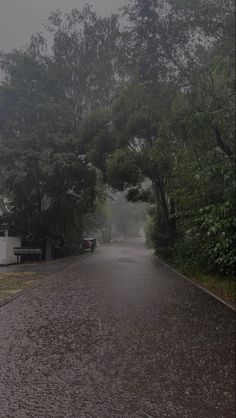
x=7, y=245
x=3, y=250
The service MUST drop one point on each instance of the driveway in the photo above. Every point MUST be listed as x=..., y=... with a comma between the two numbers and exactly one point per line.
x=117, y=335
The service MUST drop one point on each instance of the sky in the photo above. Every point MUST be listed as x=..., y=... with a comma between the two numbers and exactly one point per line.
x=19, y=19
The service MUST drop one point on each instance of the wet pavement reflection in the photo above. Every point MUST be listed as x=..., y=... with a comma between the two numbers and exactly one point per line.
x=117, y=335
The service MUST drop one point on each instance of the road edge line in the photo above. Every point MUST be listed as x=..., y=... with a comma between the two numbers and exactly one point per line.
x=228, y=304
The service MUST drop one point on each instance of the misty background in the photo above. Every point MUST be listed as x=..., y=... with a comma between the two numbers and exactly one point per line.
x=19, y=19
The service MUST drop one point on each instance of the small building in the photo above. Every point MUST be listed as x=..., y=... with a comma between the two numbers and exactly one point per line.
x=9, y=239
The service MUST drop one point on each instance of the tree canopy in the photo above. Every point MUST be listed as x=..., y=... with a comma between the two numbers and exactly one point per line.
x=143, y=101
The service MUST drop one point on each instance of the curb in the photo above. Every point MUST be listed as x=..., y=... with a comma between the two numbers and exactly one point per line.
x=228, y=304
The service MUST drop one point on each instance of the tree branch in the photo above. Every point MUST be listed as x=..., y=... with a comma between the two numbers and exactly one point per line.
x=220, y=142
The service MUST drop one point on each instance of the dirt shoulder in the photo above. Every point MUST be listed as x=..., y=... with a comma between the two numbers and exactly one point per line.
x=12, y=284
x=16, y=279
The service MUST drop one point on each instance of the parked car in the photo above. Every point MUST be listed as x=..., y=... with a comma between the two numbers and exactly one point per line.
x=88, y=244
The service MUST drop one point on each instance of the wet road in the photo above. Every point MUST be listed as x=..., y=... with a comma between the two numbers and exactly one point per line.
x=117, y=335
x=44, y=267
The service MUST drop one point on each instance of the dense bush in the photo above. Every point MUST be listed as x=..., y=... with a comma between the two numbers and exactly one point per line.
x=208, y=243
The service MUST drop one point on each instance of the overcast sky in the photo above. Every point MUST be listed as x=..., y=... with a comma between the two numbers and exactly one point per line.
x=19, y=19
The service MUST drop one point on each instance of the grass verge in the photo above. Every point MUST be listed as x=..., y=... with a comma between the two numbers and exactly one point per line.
x=222, y=287
x=13, y=283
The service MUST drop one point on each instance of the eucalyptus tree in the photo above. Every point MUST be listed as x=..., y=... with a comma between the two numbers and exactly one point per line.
x=84, y=54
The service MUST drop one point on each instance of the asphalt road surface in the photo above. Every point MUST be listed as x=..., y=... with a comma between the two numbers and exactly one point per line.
x=117, y=335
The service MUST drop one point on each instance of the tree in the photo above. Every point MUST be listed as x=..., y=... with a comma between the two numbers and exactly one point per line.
x=191, y=43
x=46, y=177
x=98, y=138
x=51, y=184
x=140, y=113
x=84, y=46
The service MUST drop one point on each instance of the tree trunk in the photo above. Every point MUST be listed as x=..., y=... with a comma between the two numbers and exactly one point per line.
x=220, y=142
x=172, y=221
x=161, y=197
x=168, y=209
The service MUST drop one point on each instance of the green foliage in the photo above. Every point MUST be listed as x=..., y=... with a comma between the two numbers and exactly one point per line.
x=189, y=159
x=214, y=232
x=98, y=138
x=123, y=170
x=47, y=190
x=157, y=235
x=45, y=176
